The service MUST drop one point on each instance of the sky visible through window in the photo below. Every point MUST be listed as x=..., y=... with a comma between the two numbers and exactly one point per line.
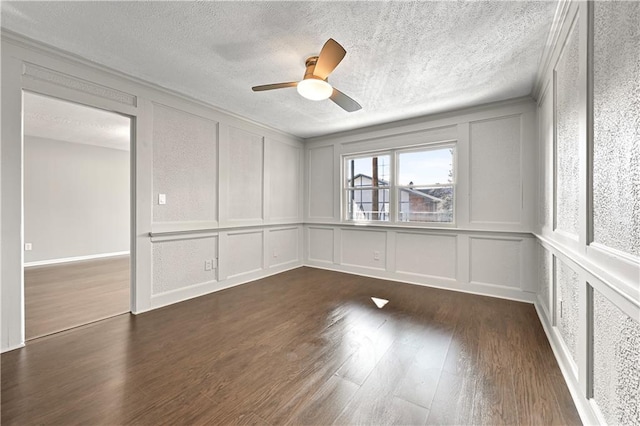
x=421, y=167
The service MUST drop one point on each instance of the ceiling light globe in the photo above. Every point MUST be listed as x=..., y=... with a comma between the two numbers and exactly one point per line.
x=314, y=89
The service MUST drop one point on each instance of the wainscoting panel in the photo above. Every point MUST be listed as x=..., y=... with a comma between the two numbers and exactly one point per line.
x=178, y=264
x=495, y=261
x=366, y=249
x=283, y=246
x=501, y=264
x=428, y=255
x=320, y=244
x=567, y=284
x=616, y=363
x=244, y=249
x=592, y=319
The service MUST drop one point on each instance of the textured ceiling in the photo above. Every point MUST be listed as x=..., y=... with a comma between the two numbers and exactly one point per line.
x=404, y=59
x=50, y=118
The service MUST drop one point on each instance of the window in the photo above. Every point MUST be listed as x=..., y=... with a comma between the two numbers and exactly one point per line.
x=367, y=187
x=425, y=185
x=406, y=185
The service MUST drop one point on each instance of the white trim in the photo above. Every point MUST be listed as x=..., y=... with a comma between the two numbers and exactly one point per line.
x=488, y=290
x=201, y=289
x=614, y=282
x=426, y=123
x=547, y=54
x=13, y=348
x=582, y=404
x=74, y=259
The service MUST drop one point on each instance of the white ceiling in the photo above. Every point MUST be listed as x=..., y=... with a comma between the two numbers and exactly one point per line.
x=404, y=59
x=51, y=118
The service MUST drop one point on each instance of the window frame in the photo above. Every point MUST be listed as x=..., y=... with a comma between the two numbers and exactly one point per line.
x=394, y=189
x=345, y=188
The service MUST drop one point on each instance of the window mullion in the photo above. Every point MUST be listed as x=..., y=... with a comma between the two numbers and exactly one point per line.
x=393, y=193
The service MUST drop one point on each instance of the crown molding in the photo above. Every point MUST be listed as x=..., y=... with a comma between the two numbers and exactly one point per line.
x=552, y=40
x=356, y=134
x=24, y=42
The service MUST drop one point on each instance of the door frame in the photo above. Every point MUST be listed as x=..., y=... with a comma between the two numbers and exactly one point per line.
x=132, y=187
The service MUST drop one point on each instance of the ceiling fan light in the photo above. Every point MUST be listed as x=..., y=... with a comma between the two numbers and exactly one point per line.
x=314, y=89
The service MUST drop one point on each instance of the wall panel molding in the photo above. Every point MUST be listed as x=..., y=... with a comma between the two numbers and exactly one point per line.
x=37, y=72
x=431, y=258
x=601, y=97
x=31, y=66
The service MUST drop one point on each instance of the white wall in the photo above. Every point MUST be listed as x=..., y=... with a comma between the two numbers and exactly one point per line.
x=588, y=230
x=234, y=196
x=76, y=199
x=489, y=250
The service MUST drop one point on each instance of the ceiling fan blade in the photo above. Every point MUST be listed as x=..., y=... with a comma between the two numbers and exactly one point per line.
x=344, y=102
x=329, y=58
x=274, y=86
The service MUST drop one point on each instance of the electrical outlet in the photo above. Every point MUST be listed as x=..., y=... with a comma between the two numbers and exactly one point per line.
x=28, y=246
x=162, y=199
x=376, y=255
x=208, y=265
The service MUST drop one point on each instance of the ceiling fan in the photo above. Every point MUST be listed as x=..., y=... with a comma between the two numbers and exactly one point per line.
x=314, y=84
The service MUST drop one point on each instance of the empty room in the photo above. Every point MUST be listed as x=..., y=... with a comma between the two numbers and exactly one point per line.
x=414, y=213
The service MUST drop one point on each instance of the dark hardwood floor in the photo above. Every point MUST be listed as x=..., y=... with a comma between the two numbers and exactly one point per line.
x=66, y=295
x=304, y=347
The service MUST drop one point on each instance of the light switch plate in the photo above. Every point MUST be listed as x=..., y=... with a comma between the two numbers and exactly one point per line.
x=162, y=199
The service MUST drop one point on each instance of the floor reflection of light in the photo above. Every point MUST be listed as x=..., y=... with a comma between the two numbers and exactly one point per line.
x=379, y=302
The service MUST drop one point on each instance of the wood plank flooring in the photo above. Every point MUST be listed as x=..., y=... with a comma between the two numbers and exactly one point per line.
x=304, y=347
x=62, y=296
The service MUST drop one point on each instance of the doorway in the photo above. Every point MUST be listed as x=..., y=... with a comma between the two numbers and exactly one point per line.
x=77, y=214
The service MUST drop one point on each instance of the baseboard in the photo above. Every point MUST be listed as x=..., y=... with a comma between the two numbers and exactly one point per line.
x=583, y=405
x=479, y=289
x=74, y=259
x=202, y=289
x=12, y=348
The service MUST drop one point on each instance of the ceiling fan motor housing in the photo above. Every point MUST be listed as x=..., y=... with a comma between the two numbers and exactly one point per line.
x=310, y=63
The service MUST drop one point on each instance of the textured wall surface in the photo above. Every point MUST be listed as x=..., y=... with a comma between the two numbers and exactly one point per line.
x=616, y=108
x=616, y=363
x=246, y=151
x=320, y=186
x=545, y=189
x=433, y=255
x=359, y=247
x=546, y=267
x=283, y=246
x=180, y=264
x=285, y=172
x=244, y=252
x=567, y=133
x=320, y=244
x=567, y=321
x=495, y=191
x=185, y=166
x=495, y=261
